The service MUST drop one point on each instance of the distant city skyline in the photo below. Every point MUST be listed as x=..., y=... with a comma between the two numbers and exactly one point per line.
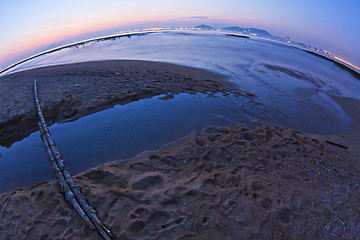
x=28, y=27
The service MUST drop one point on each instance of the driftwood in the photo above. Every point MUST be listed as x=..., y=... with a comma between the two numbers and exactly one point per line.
x=336, y=144
x=68, y=187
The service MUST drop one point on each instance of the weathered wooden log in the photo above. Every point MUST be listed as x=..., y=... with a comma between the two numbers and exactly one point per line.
x=67, y=185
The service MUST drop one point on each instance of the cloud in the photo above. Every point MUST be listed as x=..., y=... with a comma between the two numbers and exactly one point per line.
x=195, y=17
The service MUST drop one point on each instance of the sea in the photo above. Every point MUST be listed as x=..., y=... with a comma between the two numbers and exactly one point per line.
x=293, y=89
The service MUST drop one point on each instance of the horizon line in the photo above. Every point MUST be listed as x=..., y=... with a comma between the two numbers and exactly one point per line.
x=120, y=34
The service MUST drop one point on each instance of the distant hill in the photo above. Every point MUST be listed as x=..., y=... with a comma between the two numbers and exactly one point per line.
x=258, y=32
x=233, y=29
x=248, y=31
x=203, y=26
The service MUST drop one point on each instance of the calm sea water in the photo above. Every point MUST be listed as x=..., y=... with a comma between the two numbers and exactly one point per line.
x=292, y=87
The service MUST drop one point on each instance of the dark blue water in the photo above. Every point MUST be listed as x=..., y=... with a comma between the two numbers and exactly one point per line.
x=118, y=133
x=292, y=88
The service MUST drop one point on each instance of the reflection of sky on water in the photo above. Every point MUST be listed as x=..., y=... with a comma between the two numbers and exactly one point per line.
x=290, y=84
x=240, y=59
x=118, y=133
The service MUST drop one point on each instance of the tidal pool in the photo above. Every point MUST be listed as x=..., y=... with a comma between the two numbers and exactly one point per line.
x=292, y=87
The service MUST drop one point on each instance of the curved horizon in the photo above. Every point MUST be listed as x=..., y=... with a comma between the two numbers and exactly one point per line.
x=67, y=46
x=29, y=28
x=354, y=69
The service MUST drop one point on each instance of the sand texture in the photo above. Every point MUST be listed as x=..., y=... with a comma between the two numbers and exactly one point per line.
x=68, y=92
x=266, y=183
x=262, y=183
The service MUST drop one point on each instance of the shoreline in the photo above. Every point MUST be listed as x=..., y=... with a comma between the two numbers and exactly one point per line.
x=346, y=67
x=69, y=92
x=267, y=182
x=75, y=44
x=349, y=138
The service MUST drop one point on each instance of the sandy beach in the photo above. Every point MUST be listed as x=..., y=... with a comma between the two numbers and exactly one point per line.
x=68, y=92
x=224, y=183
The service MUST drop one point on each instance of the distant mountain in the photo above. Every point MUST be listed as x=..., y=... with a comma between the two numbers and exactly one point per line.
x=257, y=32
x=203, y=26
x=247, y=31
x=233, y=29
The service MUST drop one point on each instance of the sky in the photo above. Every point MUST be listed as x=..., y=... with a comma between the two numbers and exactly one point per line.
x=28, y=27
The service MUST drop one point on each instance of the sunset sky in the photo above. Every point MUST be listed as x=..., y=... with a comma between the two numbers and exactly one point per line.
x=30, y=26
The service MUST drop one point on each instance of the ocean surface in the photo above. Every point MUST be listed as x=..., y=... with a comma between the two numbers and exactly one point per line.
x=292, y=89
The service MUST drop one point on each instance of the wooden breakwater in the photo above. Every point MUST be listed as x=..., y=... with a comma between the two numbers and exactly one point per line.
x=68, y=187
x=76, y=44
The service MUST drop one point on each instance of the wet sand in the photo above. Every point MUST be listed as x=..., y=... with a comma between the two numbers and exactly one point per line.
x=266, y=183
x=262, y=183
x=68, y=92
x=350, y=138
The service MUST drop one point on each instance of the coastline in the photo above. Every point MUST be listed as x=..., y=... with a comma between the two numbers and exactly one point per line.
x=268, y=182
x=340, y=64
x=349, y=138
x=262, y=183
x=344, y=66
x=69, y=92
x=76, y=44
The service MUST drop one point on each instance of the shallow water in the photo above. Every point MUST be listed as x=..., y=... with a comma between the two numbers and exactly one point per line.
x=292, y=88
x=118, y=133
x=243, y=60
